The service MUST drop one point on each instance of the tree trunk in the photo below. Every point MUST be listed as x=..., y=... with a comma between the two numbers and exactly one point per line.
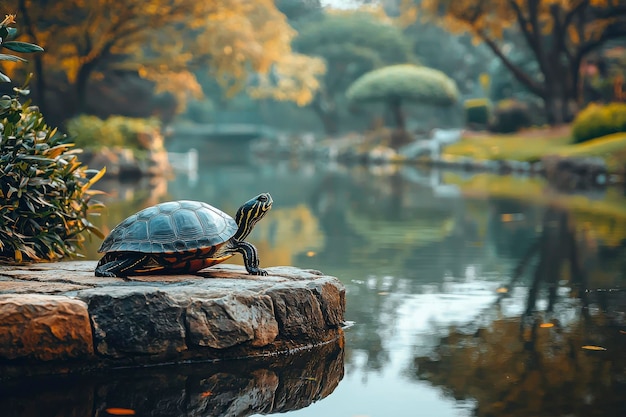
x=80, y=87
x=327, y=115
x=400, y=136
x=559, y=102
x=398, y=115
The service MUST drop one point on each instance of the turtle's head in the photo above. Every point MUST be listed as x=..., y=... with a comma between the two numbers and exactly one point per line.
x=251, y=212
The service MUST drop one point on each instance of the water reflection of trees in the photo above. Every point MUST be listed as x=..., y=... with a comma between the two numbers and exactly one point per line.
x=386, y=226
x=563, y=356
x=386, y=236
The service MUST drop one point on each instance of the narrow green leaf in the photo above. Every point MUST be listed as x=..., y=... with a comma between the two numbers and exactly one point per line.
x=6, y=57
x=38, y=158
x=18, y=46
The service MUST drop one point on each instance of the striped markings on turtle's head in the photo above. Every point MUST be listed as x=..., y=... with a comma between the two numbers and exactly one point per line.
x=251, y=212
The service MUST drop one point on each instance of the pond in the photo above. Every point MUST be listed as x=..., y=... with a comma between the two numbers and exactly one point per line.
x=469, y=295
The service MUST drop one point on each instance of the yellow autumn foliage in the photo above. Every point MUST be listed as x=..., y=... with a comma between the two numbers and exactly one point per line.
x=488, y=19
x=167, y=41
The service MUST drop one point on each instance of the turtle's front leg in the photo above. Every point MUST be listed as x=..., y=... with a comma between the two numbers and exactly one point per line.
x=250, y=258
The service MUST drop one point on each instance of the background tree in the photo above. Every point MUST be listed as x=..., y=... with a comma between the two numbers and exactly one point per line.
x=398, y=84
x=453, y=54
x=300, y=12
x=351, y=43
x=163, y=41
x=558, y=33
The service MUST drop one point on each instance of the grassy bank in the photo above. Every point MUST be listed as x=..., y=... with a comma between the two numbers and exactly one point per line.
x=534, y=144
x=603, y=218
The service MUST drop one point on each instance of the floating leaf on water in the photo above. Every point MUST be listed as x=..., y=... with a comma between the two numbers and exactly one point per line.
x=511, y=217
x=206, y=394
x=120, y=411
x=591, y=347
x=310, y=254
x=546, y=325
x=383, y=293
x=502, y=290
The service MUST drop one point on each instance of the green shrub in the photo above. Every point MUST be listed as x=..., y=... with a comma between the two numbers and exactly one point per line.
x=44, y=189
x=597, y=120
x=477, y=112
x=404, y=82
x=91, y=132
x=510, y=116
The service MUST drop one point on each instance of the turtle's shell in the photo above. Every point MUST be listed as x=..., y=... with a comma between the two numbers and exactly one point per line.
x=175, y=226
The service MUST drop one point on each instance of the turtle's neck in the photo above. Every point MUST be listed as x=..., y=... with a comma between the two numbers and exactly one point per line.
x=245, y=224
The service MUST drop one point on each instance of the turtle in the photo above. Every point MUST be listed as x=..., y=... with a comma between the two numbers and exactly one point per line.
x=181, y=237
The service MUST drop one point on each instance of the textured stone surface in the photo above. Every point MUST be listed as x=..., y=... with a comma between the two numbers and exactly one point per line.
x=135, y=320
x=62, y=311
x=332, y=300
x=233, y=319
x=44, y=327
x=298, y=310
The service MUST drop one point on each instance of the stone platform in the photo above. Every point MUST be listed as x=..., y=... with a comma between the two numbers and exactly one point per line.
x=59, y=317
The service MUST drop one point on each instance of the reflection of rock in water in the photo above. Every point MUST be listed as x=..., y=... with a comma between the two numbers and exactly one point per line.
x=229, y=388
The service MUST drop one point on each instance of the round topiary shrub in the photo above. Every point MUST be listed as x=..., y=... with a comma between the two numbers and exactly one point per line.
x=404, y=82
x=396, y=85
x=477, y=112
x=598, y=120
x=510, y=116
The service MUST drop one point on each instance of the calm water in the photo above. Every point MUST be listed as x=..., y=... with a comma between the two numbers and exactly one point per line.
x=470, y=295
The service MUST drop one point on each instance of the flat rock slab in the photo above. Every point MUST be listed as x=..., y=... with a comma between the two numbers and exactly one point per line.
x=61, y=317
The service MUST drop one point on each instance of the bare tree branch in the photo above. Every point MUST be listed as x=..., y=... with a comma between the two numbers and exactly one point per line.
x=521, y=76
